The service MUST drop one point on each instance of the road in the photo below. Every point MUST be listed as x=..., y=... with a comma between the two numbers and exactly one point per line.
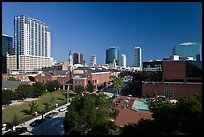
x=52, y=126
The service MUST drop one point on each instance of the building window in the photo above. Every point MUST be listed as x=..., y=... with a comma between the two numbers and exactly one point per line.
x=168, y=93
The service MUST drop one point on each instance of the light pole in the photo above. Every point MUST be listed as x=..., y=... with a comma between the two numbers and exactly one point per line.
x=68, y=94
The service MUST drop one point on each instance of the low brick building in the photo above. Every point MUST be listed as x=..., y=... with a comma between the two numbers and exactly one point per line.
x=98, y=76
x=60, y=75
x=172, y=79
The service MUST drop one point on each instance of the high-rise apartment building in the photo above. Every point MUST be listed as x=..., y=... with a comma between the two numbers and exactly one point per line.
x=92, y=61
x=78, y=58
x=111, y=54
x=123, y=60
x=138, y=57
x=31, y=42
x=188, y=49
x=31, y=37
x=7, y=47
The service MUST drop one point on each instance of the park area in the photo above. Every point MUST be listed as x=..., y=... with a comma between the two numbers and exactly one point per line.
x=14, y=112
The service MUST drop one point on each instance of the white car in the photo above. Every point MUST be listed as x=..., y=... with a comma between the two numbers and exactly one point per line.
x=62, y=109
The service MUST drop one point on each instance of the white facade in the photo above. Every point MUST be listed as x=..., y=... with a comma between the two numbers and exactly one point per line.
x=123, y=60
x=138, y=57
x=32, y=44
x=28, y=63
x=31, y=37
x=92, y=61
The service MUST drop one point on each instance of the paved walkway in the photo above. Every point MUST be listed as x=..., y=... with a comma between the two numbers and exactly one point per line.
x=127, y=115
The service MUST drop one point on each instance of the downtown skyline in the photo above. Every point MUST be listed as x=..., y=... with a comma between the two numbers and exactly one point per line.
x=90, y=28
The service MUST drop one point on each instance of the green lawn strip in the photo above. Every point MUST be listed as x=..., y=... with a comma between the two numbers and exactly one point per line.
x=9, y=111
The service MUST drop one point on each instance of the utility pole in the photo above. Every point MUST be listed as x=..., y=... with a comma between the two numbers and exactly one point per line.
x=68, y=94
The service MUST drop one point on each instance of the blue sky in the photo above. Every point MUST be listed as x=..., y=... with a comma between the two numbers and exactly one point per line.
x=91, y=28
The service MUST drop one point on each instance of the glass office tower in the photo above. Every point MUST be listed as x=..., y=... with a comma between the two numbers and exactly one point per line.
x=188, y=49
x=138, y=57
x=111, y=54
x=7, y=47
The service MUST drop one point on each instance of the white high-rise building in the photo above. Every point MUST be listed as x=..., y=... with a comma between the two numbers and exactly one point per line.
x=123, y=60
x=31, y=37
x=138, y=57
x=92, y=61
x=31, y=43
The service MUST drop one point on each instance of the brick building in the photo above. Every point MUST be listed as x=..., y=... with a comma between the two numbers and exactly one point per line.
x=61, y=76
x=98, y=76
x=172, y=79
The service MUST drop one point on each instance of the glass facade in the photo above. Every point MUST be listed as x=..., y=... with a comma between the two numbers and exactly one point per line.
x=111, y=54
x=7, y=46
x=188, y=50
x=193, y=68
x=138, y=57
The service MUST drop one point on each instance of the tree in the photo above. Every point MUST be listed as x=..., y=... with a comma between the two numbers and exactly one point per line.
x=38, y=89
x=123, y=74
x=88, y=116
x=79, y=89
x=51, y=86
x=11, y=79
x=56, y=84
x=118, y=83
x=25, y=91
x=183, y=118
x=8, y=96
x=90, y=86
x=33, y=107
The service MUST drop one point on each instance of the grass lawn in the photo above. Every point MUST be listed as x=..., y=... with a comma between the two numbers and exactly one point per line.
x=10, y=111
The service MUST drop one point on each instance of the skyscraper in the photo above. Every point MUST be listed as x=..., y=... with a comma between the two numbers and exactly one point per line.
x=31, y=43
x=123, y=60
x=138, y=57
x=188, y=49
x=111, y=54
x=78, y=58
x=31, y=37
x=92, y=61
x=7, y=47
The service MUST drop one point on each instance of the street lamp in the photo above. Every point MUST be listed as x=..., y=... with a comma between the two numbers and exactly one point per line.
x=68, y=94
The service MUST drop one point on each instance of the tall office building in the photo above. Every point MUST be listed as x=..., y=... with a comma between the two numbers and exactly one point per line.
x=7, y=47
x=123, y=60
x=92, y=61
x=78, y=58
x=138, y=57
x=111, y=54
x=188, y=49
x=31, y=42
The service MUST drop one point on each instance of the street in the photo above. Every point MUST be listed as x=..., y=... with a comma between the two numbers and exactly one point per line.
x=52, y=126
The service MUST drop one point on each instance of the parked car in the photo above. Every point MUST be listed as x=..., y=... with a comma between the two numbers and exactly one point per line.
x=51, y=114
x=18, y=130
x=62, y=109
x=36, y=122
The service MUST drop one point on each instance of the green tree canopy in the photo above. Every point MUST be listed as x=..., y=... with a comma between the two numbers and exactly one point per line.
x=79, y=89
x=118, y=83
x=183, y=118
x=8, y=96
x=88, y=116
x=38, y=89
x=25, y=91
x=90, y=87
x=51, y=86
